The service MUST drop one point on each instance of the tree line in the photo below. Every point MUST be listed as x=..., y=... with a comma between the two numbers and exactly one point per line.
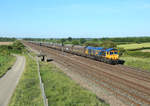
x=6, y=39
x=128, y=39
x=96, y=42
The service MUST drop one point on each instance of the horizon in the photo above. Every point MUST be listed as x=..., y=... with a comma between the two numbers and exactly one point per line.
x=78, y=37
x=74, y=18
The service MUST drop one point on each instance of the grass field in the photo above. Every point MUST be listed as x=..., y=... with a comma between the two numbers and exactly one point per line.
x=6, y=43
x=138, y=58
x=28, y=91
x=142, y=63
x=145, y=50
x=62, y=91
x=134, y=46
x=6, y=61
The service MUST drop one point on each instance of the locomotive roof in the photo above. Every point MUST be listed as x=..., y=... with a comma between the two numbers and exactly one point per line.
x=96, y=48
x=110, y=49
x=100, y=48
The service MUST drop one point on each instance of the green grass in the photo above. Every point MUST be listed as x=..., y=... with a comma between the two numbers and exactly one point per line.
x=138, y=54
x=136, y=58
x=6, y=61
x=134, y=46
x=62, y=91
x=28, y=91
x=142, y=63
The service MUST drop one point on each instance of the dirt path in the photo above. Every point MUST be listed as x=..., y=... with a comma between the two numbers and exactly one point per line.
x=9, y=81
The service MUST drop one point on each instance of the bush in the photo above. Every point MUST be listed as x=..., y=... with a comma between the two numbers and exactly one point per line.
x=69, y=39
x=5, y=50
x=108, y=44
x=18, y=47
x=62, y=41
x=95, y=40
x=94, y=44
x=75, y=42
x=82, y=41
x=121, y=51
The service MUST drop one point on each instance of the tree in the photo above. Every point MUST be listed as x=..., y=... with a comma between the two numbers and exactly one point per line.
x=69, y=39
x=108, y=44
x=75, y=42
x=95, y=40
x=62, y=41
x=18, y=46
x=82, y=40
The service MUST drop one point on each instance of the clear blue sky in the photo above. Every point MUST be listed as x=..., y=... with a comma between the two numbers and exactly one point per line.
x=75, y=18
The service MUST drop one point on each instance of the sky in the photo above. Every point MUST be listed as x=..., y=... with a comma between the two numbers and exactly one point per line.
x=74, y=18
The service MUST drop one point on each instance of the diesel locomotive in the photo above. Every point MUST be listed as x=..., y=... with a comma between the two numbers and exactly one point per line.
x=107, y=55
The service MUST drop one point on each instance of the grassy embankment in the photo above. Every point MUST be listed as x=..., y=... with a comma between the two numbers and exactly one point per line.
x=6, y=57
x=61, y=91
x=6, y=61
x=28, y=91
x=136, y=58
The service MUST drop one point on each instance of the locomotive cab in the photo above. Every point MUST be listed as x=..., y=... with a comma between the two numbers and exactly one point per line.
x=112, y=54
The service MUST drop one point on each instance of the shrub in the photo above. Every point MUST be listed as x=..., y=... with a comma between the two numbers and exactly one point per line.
x=94, y=44
x=62, y=41
x=18, y=47
x=95, y=40
x=121, y=51
x=108, y=44
x=75, y=42
x=69, y=39
x=82, y=41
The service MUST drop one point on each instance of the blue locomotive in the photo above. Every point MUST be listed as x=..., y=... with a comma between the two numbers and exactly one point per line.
x=107, y=55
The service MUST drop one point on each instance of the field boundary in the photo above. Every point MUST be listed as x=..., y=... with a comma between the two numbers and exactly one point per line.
x=139, y=49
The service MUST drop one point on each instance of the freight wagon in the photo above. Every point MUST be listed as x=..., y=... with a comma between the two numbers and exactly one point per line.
x=107, y=55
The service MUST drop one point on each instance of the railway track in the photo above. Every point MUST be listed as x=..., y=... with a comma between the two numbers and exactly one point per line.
x=126, y=71
x=130, y=85
x=118, y=68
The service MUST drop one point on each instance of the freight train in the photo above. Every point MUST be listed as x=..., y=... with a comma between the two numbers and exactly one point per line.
x=107, y=55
